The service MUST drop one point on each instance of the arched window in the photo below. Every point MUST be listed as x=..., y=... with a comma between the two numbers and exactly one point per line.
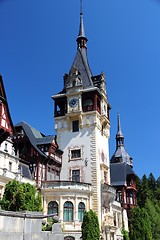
x=68, y=212
x=69, y=238
x=81, y=209
x=53, y=207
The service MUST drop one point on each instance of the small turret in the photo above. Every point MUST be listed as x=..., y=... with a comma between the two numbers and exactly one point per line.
x=120, y=155
x=122, y=174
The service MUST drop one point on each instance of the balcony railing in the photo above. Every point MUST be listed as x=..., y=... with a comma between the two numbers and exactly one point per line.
x=66, y=185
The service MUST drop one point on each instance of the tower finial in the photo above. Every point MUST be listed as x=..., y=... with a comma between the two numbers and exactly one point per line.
x=81, y=12
x=119, y=123
x=81, y=40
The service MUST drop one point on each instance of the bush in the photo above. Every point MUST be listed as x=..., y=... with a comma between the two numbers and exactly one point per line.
x=21, y=196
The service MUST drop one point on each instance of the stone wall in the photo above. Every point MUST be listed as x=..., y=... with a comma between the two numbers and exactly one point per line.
x=26, y=226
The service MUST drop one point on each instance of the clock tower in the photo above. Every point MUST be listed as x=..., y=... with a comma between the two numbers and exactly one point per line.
x=82, y=124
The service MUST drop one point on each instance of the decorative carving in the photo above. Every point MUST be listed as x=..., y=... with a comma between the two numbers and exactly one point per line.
x=108, y=195
x=73, y=79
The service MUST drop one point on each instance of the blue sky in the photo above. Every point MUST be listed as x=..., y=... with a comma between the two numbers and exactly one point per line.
x=38, y=45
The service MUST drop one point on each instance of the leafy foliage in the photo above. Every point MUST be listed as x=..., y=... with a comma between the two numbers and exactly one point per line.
x=145, y=218
x=148, y=188
x=154, y=217
x=140, y=228
x=21, y=196
x=125, y=234
x=90, y=226
x=48, y=225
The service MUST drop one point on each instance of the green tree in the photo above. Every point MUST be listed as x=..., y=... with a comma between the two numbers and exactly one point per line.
x=139, y=189
x=157, y=192
x=145, y=191
x=152, y=185
x=148, y=201
x=90, y=226
x=154, y=217
x=21, y=196
x=140, y=226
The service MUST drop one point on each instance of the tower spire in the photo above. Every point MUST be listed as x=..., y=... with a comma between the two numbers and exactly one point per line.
x=81, y=39
x=119, y=135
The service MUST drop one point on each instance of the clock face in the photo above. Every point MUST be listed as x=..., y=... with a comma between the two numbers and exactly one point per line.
x=73, y=102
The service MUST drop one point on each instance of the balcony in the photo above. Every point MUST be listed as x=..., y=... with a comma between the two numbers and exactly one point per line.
x=66, y=185
x=108, y=195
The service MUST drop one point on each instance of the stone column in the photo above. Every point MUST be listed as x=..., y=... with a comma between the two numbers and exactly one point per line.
x=61, y=209
x=80, y=103
x=114, y=236
x=76, y=211
x=45, y=204
x=108, y=235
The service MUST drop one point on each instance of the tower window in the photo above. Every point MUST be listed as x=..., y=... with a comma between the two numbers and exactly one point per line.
x=76, y=175
x=75, y=126
x=75, y=154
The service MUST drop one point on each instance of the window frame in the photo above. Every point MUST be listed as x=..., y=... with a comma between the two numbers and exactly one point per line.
x=53, y=207
x=71, y=153
x=81, y=211
x=75, y=175
x=68, y=211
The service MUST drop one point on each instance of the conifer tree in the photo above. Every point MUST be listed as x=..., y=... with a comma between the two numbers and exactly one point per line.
x=90, y=226
x=148, y=201
x=154, y=217
x=144, y=192
x=140, y=227
x=152, y=185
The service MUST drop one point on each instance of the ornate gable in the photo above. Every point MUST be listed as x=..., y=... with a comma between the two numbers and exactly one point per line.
x=6, y=125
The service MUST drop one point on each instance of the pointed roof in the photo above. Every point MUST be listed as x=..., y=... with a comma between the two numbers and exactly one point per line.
x=119, y=132
x=120, y=155
x=80, y=62
x=35, y=137
x=6, y=125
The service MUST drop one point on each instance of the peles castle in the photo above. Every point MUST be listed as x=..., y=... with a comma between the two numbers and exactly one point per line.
x=73, y=170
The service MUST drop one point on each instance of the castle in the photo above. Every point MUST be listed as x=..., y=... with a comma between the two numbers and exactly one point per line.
x=72, y=170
